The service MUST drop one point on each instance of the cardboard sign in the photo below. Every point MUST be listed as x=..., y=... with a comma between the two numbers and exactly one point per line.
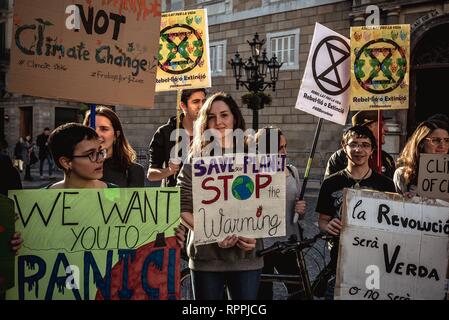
x=241, y=194
x=433, y=177
x=392, y=248
x=6, y=233
x=183, y=60
x=324, y=89
x=380, y=67
x=95, y=51
x=82, y=244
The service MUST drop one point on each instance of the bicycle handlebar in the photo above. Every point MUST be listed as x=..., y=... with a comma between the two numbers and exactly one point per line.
x=293, y=244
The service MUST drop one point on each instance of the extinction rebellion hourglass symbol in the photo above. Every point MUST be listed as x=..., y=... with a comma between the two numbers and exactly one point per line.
x=331, y=80
x=181, y=49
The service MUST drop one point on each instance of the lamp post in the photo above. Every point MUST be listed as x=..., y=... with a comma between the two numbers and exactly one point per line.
x=255, y=73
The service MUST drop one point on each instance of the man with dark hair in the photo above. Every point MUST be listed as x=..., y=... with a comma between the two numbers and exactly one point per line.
x=162, y=166
x=44, y=153
x=368, y=119
x=358, y=144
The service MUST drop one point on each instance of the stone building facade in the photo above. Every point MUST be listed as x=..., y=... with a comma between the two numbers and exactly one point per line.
x=287, y=26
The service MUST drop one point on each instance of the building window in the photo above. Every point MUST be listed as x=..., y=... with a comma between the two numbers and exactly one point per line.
x=217, y=52
x=172, y=5
x=285, y=45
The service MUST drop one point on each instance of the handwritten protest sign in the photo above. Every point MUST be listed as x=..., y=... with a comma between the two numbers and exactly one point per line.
x=324, y=90
x=391, y=248
x=93, y=51
x=238, y=194
x=183, y=60
x=433, y=177
x=380, y=67
x=6, y=254
x=97, y=244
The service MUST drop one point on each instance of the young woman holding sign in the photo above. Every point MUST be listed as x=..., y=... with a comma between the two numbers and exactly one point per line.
x=430, y=136
x=76, y=150
x=232, y=262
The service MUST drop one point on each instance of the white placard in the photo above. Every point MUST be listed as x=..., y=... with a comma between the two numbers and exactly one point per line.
x=324, y=89
x=392, y=248
x=241, y=194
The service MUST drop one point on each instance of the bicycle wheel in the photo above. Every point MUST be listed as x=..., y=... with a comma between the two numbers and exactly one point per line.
x=186, y=285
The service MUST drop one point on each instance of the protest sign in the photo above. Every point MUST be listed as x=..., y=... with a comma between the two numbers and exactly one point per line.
x=238, y=194
x=94, y=51
x=433, y=176
x=183, y=59
x=392, y=248
x=82, y=244
x=6, y=254
x=324, y=89
x=380, y=67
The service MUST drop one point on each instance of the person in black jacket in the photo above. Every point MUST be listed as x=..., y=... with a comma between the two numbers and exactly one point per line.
x=9, y=176
x=338, y=160
x=44, y=154
x=163, y=165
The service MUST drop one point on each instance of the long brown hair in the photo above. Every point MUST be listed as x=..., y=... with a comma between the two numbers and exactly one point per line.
x=200, y=126
x=122, y=152
x=409, y=157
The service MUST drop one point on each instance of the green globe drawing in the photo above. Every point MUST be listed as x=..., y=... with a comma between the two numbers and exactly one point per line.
x=242, y=187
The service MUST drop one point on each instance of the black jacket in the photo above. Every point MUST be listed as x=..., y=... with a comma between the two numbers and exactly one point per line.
x=338, y=161
x=41, y=142
x=160, y=147
x=9, y=176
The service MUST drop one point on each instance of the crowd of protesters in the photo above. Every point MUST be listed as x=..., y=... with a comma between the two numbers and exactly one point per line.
x=103, y=158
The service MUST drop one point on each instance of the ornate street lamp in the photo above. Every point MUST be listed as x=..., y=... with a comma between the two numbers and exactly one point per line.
x=256, y=71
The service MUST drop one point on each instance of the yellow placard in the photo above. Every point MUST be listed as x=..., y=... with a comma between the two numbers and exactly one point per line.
x=183, y=58
x=96, y=244
x=380, y=67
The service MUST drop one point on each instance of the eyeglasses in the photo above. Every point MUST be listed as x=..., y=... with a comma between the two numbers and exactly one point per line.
x=363, y=145
x=437, y=141
x=94, y=156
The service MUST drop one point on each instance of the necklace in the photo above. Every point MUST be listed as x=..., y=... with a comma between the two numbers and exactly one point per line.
x=357, y=181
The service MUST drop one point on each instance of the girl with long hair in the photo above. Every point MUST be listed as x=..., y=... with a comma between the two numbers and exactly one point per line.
x=120, y=166
x=232, y=262
x=430, y=136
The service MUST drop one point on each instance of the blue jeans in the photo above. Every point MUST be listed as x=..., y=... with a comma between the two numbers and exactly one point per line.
x=241, y=285
x=50, y=165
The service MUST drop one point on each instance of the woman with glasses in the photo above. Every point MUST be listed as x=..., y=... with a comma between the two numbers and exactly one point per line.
x=358, y=143
x=120, y=166
x=284, y=263
x=77, y=151
x=430, y=136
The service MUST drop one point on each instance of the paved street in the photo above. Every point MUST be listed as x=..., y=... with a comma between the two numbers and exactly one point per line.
x=37, y=183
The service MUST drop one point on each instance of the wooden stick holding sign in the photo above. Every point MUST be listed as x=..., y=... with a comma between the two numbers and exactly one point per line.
x=307, y=171
x=379, y=141
x=176, y=159
x=318, y=95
